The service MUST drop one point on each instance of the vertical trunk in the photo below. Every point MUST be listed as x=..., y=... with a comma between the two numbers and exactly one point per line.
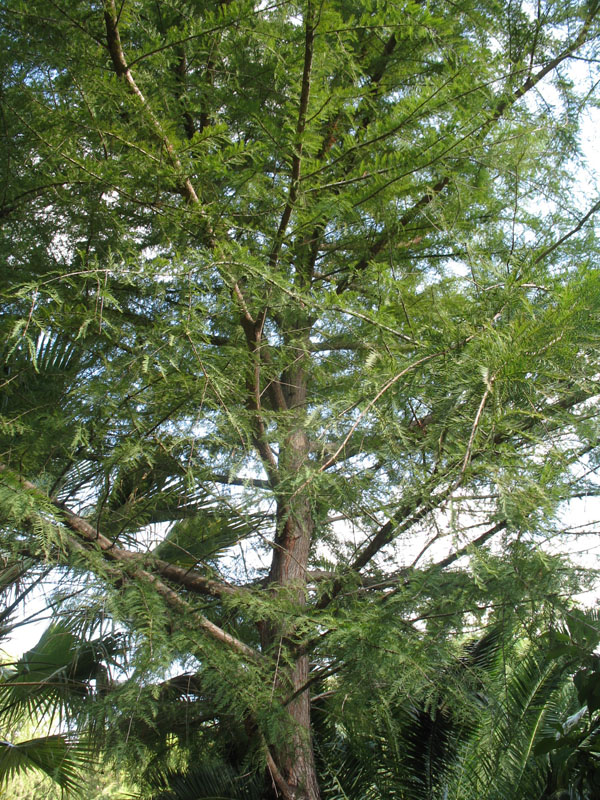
x=295, y=528
x=296, y=758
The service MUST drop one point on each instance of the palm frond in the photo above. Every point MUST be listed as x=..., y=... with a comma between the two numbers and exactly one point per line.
x=522, y=706
x=60, y=757
x=211, y=780
x=41, y=364
x=55, y=675
x=203, y=537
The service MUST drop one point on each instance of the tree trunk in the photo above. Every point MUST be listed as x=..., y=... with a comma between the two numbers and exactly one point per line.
x=295, y=528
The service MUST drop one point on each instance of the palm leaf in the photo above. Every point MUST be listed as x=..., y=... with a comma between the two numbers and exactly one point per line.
x=15, y=585
x=203, y=537
x=55, y=676
x=36, y=367
x=523, y=700
x=59, y=757
x=210, y=780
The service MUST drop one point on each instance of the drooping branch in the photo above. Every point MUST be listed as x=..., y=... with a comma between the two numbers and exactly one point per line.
x=177, y=602
x=419, y=507
x=132, y=564
x=89, y=535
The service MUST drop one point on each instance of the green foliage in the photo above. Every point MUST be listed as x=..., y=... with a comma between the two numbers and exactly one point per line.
x=208, y=780
x=98, y=785
x=54, y=755
x=44, y=687
x=56, y=674
x=300, y=324
x=504, y=718
x=198, y=539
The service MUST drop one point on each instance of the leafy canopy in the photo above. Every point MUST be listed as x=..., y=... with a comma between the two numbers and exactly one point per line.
x=299, y=341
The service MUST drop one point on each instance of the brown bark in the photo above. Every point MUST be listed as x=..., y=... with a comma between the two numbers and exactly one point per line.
x=295, y=527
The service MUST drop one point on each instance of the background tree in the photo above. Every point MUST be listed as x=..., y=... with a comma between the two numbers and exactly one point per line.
x=47, y=686
x=505, y=720
x=309, y=284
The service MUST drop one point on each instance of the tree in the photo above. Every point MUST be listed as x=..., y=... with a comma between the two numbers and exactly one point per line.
x=53, y=676
x=506, y=720
x=308, y=287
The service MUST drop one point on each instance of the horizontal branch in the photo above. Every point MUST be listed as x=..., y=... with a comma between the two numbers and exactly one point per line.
x=420, y=506
x=365, y=582
x=337, y=343
x=478, y=542
x=137, y=566
x=9, y=207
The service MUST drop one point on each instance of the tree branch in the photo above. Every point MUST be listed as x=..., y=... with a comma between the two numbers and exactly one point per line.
x=123, y=71
x=131, y=562
x=309, y=38
x=502, y=106
x=278, y=778
x=175, y=601
x=416, y=509
x=478, y=542
x=568, y=235
x=87, y=533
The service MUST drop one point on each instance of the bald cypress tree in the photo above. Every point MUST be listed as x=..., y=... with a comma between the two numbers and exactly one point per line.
x=300, y=338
